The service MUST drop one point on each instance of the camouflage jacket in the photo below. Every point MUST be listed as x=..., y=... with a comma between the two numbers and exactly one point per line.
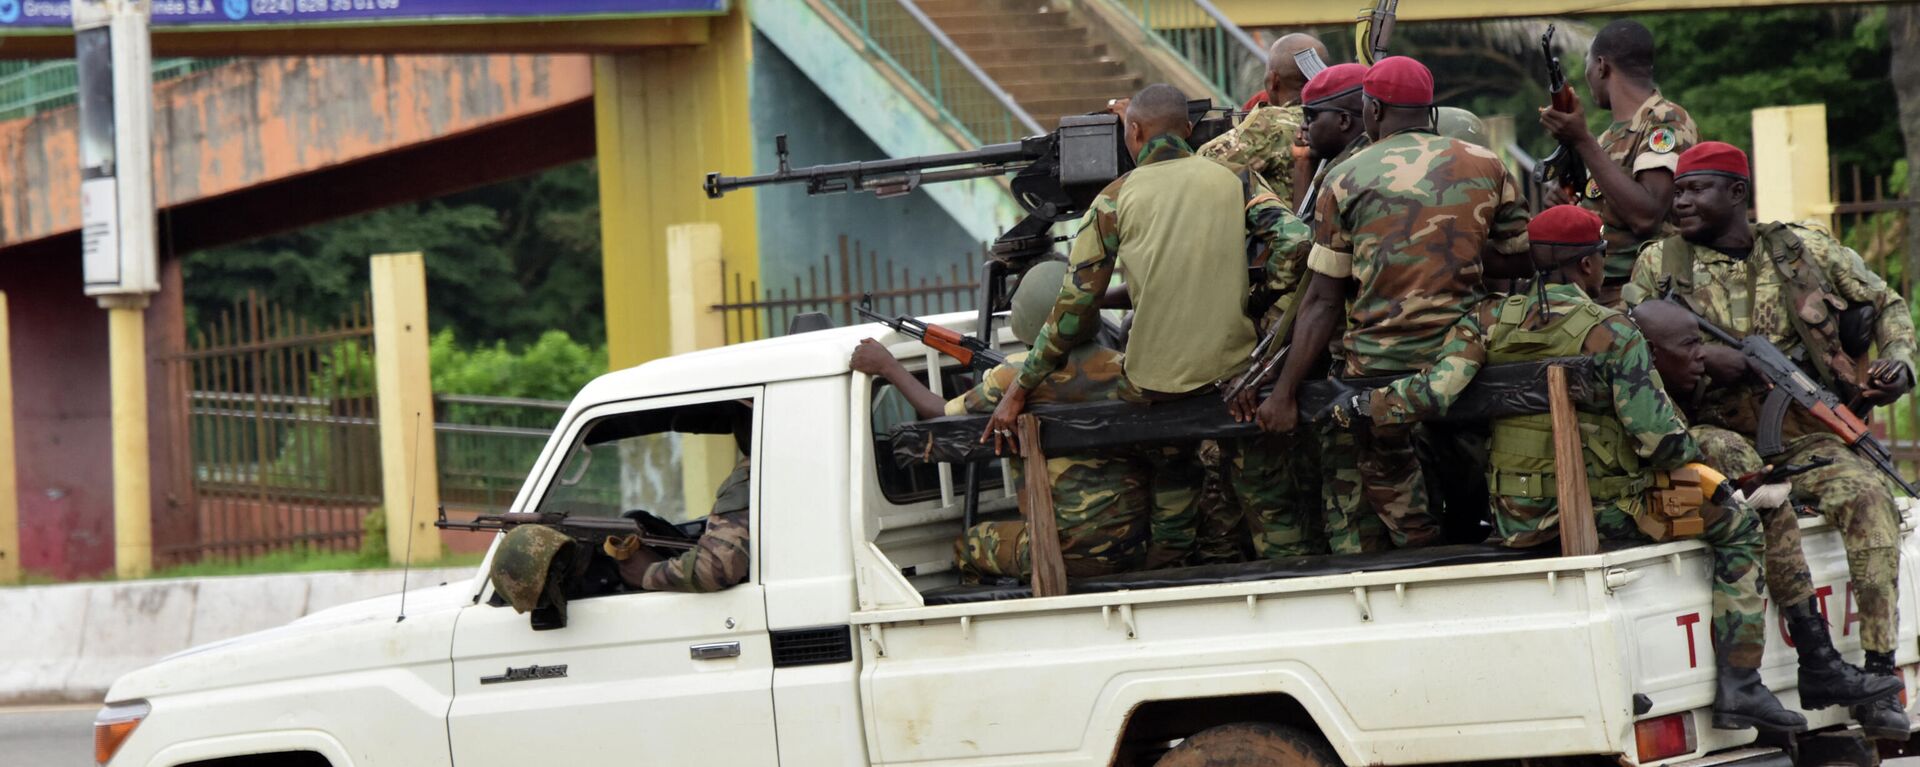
x=1653, y=139
x=1262, y=143
x=1284, y=275
x=1750, y=296
x=1104, y=243
x=1429, y=392
x=719, y=560
x=1637, y=397
x=1407, y=218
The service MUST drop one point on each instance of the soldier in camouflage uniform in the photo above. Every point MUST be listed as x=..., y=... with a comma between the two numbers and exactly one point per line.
x=1118, y=510
x=1182, y=250
x=1627, y=436
x=1403, y=223
x=1267, y=141
x=719, y=559
x=1630, y=166
x=1825, y=678
x=1789, y=284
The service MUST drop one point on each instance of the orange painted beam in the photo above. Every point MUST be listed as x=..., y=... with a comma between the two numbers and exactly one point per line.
x=582, y=36
x=258, y=121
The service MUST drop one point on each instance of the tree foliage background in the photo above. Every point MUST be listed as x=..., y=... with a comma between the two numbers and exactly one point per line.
x=505, y=263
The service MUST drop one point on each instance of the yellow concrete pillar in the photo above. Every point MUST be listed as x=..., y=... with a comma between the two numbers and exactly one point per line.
x=693, y=287
x=9, y=490
x=1791, y=169
x=1500, y=133
x=132, y=481
x=409, y=464
x=664, y=118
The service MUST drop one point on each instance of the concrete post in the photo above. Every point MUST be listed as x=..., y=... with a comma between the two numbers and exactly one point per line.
x=1791, y=169
x=409, y=465
x=693, y=287
x=9, y=489
x=132, y=472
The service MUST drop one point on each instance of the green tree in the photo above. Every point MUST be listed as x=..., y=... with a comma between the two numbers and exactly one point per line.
x=506, y=262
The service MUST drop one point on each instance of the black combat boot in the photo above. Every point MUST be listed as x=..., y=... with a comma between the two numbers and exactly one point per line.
x=1825, y=678
x=1882, y=719
x=1741, y=700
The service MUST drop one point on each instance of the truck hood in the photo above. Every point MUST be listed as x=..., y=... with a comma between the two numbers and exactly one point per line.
x=351, y=637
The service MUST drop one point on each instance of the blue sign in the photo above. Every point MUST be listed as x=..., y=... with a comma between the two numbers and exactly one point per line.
x=219, y=13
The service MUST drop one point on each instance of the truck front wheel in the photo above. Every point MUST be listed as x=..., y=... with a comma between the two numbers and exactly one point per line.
x=1247, y=744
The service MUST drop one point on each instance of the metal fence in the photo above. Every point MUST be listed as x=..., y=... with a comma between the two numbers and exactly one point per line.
x=28, y=88
x=836, y=285
x=1219, y=50
x=915, y=48
x=486, y=445
x=284, y=448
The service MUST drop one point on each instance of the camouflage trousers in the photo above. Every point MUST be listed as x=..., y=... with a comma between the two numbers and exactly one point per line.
x=1851, y=494
x=1137, y=507
x=1184, y=528
x=1393, y=485
x=1276, y=480
x=1219, y=525
x=1351, y=526
x=1789, y=582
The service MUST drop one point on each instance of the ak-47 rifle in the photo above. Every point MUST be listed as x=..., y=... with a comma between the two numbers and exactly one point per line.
x=968, y=350
x=1790, y=385
x=591, y=531
x=1373, y=32
x=1563, y=167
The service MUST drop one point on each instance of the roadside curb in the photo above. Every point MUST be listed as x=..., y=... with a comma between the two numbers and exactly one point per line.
x=67, y=643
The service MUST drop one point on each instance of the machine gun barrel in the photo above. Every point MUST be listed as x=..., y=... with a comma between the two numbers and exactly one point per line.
x=891, y=176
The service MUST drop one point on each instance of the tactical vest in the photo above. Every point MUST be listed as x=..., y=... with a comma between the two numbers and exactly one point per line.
x=1813, y=306
x=1520, y=460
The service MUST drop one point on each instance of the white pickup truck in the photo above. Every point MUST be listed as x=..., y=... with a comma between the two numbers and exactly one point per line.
x=850, y=642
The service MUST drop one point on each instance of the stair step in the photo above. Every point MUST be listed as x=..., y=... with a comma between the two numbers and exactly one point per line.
x=1041, y=54
x=1105, y=88
x=1018, y=37
x=996, y=22
x=1007, y=69
x=938, y=8
x=1067, y=105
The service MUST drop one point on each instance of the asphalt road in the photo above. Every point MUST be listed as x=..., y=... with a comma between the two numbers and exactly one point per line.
x=60, y=736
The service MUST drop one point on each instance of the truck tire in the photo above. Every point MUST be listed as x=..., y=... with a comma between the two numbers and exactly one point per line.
x=1247, y=744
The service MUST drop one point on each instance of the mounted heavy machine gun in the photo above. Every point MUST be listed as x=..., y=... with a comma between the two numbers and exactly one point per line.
x=1056, y=177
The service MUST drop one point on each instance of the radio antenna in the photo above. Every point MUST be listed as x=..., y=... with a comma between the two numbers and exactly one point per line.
x=413, y=494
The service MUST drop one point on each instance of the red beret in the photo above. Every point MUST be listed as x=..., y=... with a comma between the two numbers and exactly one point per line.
x=1333, y=82
x=1400, y=81
x=1564, y=225
x=1718, y=158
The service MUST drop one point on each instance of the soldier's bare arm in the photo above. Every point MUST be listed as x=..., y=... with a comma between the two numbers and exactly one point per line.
x=872, y=358
x=1639, y=199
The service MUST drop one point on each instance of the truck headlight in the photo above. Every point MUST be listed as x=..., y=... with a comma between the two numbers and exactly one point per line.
x=112, y=726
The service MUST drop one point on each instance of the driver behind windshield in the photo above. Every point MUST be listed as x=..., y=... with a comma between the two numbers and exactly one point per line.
x=718, y=560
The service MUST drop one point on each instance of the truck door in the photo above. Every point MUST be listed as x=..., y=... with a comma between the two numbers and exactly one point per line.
x=637, y=677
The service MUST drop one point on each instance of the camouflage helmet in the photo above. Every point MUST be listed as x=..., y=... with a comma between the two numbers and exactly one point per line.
x=1454, y=122
x=521, y=564
x=1033, y=300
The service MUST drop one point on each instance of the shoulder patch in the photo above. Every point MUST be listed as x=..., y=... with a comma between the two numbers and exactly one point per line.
x=1593, y=188
x=1662, y=140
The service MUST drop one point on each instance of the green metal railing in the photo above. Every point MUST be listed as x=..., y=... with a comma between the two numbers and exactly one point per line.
x=28, y=88
x=1220, y=51
x=913, y=46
